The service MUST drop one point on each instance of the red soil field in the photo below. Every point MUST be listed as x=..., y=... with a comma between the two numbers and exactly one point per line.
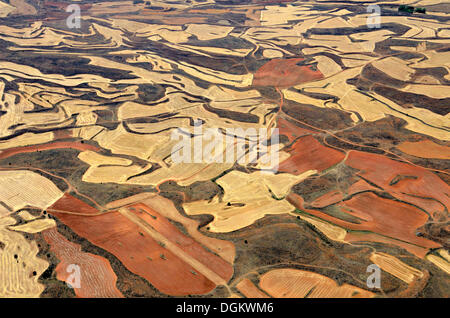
x=49, y=146
x=69, y=203
x=285, y=73
x=190, y=246
x=309, y=154
x=142, y=254
x=360, y=186
x=225, y=249
x=386, y=217
x=290, y=130
x=336, y=196
x=423, y=195
x=97, y=278
x=405, y=182
x=329, y=198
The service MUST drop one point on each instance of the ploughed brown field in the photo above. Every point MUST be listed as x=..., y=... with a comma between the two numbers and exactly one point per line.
x=148, y=245
x=285, y=73
x=93, y=202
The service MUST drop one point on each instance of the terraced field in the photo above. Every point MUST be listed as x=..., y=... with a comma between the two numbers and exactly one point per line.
x=94, y=175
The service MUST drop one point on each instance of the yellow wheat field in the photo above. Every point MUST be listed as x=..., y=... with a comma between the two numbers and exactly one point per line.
x=442, y=261
x=248, y=197
x=35, y=226
x=332, y=231
x=21, y=188
x=396, y=267
x=293, y=283
x=249, y=290
x=18, y=261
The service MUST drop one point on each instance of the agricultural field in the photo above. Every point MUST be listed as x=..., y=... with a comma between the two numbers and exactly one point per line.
x=224, y=149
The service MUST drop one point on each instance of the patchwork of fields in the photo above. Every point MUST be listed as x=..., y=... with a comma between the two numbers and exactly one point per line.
x=93, y=204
